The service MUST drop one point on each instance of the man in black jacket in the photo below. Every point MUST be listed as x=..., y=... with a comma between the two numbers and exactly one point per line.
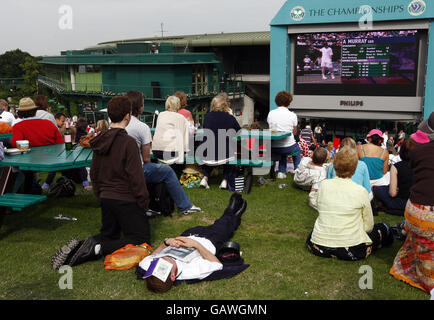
x=119, y=184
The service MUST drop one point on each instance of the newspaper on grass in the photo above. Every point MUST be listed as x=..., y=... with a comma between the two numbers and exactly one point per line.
x=183, y=254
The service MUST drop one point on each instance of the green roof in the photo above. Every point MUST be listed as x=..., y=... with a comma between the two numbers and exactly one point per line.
x=133, y=59
x=202, y=40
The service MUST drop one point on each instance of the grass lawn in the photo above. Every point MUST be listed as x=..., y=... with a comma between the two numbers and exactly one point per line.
x=272, y=238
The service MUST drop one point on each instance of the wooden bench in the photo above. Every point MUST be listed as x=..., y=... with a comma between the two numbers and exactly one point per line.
x=18, y=201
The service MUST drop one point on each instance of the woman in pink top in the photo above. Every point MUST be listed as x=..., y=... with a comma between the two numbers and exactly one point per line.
x=187, y=114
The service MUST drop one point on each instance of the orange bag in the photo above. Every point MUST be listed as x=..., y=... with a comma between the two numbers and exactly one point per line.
x=85, y=140
x=127, y=257
x=5, y=128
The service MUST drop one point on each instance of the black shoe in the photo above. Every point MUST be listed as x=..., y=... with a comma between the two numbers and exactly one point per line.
x=388, y=241
x=64, y=255
x=241, y=209
x=235, y=202
x=86, y=252
x=398, y=231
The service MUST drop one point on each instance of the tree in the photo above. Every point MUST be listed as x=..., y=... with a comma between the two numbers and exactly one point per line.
x=30, y=74
x=10, y=63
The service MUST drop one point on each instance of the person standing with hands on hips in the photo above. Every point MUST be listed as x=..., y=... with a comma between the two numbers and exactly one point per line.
x=283, y=120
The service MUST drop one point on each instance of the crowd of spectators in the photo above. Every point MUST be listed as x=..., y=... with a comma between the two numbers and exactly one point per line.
x=348, y=184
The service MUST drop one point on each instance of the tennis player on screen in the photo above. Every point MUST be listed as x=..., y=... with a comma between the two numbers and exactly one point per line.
x=326, y=60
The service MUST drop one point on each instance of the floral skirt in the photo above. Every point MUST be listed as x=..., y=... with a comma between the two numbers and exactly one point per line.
x=414, y=263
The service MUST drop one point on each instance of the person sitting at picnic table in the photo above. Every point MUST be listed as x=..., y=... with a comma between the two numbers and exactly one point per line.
x=207, y=240
x=120, y=186
x=310, y=172
x=182, y=110
x=283, y=120
x=39, y=132
x=345, y=226
x=394, y=197
x=5, y=115
x=81, y=129
x=101, y=126
x=60, y=120
x=78, y=175
x=414, y=263
x=42, y=111
x=219, y=120
x=170, y=141
x=155, y=172
x=376, y=158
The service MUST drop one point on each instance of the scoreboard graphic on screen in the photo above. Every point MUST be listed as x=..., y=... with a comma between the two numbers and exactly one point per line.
x=365, y=58
x=365, y=63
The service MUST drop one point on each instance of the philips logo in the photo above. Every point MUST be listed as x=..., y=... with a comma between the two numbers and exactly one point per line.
x=344, y=103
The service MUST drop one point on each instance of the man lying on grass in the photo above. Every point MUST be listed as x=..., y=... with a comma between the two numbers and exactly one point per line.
x=192, y=253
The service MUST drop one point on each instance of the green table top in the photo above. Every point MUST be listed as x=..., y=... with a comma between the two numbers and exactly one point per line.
x=50, y=158
x=5, y=135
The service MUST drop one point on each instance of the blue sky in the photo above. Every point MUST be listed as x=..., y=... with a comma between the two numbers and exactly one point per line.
x=33, y=26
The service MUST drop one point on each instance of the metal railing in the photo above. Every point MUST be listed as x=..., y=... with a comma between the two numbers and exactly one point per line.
x=11, y=81
x=234, y=89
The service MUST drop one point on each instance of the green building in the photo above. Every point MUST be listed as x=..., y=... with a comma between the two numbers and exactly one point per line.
x=200, y=65
x=95, y=75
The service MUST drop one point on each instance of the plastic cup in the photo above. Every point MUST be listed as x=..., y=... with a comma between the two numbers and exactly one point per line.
x=23, y=145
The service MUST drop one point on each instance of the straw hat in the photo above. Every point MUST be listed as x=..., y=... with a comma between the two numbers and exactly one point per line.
x=191, y=169
x=27, y=104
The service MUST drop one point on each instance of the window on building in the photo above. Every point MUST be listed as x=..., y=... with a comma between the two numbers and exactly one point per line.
x=200, y=80
x=89, y=68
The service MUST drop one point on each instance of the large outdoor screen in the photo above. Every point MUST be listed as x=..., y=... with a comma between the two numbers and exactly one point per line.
x=375, y=63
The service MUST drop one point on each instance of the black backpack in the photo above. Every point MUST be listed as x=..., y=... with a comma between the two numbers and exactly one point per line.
x=160, y=199
x=63, y=187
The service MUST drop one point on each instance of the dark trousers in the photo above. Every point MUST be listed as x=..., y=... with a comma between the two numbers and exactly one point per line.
x=121, y=217
x=382, y=193
x=379, y=235
x=29, y=180
x=228, y=170
x=219, y=232
x=77, y=175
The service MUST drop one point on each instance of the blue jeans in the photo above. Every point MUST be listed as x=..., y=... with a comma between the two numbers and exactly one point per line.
x=157, y=173
x=284, y=153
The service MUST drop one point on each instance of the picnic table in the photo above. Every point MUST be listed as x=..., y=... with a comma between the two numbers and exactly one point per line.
x=257, y=166
x=5, y=136
x=44, y=158
x=50, y=158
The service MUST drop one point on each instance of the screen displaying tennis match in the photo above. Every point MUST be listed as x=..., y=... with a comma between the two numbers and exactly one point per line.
x=357, y=63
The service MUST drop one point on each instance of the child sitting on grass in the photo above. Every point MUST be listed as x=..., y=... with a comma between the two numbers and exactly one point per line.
x=311, y=172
